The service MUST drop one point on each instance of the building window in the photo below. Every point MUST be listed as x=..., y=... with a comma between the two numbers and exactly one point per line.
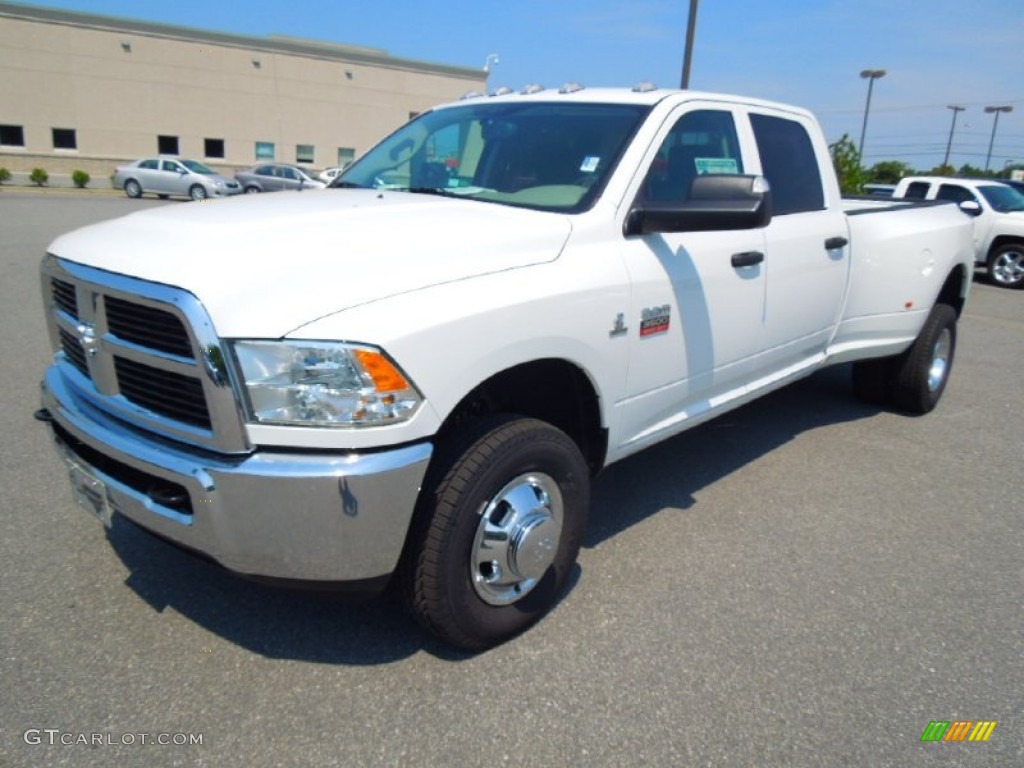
x=64, y=138
x=167, y=145
x=12, y=135
x=304, y=153
x=346, y=155
x=264, y=150
x=214, y=148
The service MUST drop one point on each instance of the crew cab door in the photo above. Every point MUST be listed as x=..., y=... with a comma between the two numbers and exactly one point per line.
x=808, y=262
x=694, y=320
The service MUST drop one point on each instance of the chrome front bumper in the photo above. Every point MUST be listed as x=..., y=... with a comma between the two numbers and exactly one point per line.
x=280, y=515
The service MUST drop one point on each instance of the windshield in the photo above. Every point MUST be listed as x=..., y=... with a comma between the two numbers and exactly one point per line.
x=542, y=155
x=1003, y=198
x=196, y=167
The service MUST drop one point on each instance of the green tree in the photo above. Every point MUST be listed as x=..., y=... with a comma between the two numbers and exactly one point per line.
x=888, y=172
x=968, y=171
x=846, y=160
x=39, y=177
x=80, y=178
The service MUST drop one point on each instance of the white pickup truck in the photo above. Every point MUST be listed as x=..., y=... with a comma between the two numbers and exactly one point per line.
x=411, y=377
x=997, y=211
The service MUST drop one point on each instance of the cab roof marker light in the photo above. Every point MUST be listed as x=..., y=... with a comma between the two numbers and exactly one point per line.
x=471, y=95
x=532, y=88
x=570, y=88
x=645, y=86
x=503, y=91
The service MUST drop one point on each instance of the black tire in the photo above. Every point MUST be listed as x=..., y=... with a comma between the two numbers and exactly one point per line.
x=197, y=192
x=251, y=189
x=132, y=188
x=1006, y=266
x=475, y=591
x=920, y=374
x=872, y=381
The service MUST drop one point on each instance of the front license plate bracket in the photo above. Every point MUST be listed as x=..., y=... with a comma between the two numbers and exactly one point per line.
x=90, y=492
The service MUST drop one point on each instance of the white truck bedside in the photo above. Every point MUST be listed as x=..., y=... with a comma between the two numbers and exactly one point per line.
x=411, y=377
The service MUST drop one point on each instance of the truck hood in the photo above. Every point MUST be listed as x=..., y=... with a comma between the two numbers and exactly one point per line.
x=263, y=265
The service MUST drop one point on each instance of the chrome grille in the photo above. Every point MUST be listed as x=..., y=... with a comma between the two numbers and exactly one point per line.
x=148, y=353
x=147, y=327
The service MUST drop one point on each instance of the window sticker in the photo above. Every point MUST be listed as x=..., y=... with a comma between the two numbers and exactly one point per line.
x=589, y=164
x=716, y=165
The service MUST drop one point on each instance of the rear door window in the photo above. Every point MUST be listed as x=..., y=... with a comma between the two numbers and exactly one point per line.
x=789, y=163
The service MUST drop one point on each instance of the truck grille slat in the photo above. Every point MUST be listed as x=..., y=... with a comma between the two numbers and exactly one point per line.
x=64, y=296
x=170, y=394
x=74, y=352
x=148, y=327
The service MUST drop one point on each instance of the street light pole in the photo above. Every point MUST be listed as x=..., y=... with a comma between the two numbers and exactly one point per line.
x=995, y=123
x=949, y=144
x=871, y=75
x=492, y=58
x=691, y=29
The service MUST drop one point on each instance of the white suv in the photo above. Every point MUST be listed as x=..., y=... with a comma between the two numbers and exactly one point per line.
x=998, y=212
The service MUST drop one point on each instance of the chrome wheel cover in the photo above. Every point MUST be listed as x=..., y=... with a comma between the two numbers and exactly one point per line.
x=1008, y=268
x=516, y=539
x=939, y=368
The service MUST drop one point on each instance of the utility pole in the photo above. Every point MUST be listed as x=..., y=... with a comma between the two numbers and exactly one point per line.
x=691, y=29
x=997, y=110
x=956, y=110
x=871, y=75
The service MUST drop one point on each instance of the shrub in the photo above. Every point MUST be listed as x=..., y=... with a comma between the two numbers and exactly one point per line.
x=39, y=177
x=5, y=175
x=80, y=178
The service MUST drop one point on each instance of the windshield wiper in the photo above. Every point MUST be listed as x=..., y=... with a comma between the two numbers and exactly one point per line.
x=441, y=191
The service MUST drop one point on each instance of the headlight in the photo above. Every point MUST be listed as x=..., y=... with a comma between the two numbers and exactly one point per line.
x=324, y=384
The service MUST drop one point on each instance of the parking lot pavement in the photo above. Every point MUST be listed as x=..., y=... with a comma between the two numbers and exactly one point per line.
x=805, y=581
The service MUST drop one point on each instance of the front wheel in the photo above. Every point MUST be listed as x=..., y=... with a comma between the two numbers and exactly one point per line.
x=197, y=192
x=132, y=188
x=252, y=189
x=496, y=537
x=1006, y=266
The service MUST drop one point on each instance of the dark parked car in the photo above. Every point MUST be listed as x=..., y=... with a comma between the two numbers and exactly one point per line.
x=166, y=176
x=275, y=177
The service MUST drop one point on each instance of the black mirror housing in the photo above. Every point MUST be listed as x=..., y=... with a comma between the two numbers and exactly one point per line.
x=717, y=202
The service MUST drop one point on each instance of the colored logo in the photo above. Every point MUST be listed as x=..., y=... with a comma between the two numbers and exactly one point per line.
x=959, y=730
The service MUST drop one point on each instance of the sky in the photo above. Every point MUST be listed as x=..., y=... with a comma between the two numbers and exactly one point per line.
x=810, y=53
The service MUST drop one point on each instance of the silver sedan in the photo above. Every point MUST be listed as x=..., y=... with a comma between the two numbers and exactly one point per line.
x=276, y=176
x=166, y=176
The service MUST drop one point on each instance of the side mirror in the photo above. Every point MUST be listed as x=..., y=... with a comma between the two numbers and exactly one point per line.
x=971, y=207
x=716, y=202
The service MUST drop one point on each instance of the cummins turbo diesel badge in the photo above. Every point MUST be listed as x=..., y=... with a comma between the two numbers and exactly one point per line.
x=655, y=320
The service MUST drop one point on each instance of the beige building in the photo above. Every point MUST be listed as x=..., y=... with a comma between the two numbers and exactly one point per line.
x=80, y=91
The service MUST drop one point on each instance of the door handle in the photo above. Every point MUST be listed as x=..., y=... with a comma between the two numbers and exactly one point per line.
x=834, y=243
x=747, y=258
